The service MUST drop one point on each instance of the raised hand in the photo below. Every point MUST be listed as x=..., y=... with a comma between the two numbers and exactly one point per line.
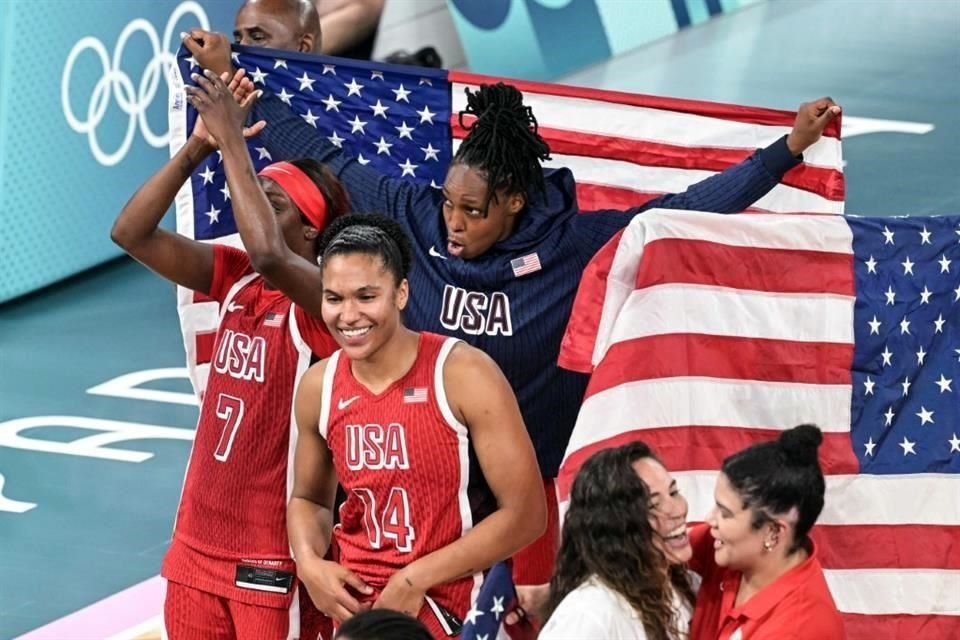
x=210, y=49
x=812, y=119
x=222, y=107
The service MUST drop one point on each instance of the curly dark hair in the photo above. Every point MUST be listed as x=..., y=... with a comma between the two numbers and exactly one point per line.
x=607, y=534
x=774, y=477
x=503, y=141
x=372, y=234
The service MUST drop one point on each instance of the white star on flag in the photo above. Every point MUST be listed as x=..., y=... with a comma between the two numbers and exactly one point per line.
x=310, y=118
x=925, y=236
x=207, y=175
x=376, y=75
x=401, y=94
x=429, y=152
x=336, y=140
x=280, y=62
x=871, y=265
x=944, y=384
x=408, y=168
x=383, y=146
x=259, y=76
x=213, y=214
x=332, y=103
x=306, y=82
x=908, y=446
x=426, y=115
x=404, y=130
x=329, y=68
x=226, y=192
x=874, y=325
x=868, y=386
x=353, y=88
x=944, y=264
x=263, y=154
x=888, y=235
x=907, y=266
x=284, y=96
x=357, y=125
x=379, y=109
x=869, y=446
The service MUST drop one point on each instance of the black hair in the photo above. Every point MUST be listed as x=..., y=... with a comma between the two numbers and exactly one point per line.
x=382, y=624
x=503, y=140
x=372, y=234
x=607, y=534
x=338, y=203
x=774, y=477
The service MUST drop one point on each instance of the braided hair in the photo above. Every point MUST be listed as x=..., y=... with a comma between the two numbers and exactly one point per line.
x=503, y=140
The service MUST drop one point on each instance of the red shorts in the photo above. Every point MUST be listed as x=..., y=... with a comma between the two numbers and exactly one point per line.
x=192, y=614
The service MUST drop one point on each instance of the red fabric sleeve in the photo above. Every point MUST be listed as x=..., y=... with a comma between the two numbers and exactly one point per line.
x=229, y=265
x=314, y=332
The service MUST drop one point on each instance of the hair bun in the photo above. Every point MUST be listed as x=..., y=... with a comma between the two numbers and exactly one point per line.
x=800, y=444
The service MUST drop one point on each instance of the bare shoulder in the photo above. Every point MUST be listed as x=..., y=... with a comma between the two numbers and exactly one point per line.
x=465, y=359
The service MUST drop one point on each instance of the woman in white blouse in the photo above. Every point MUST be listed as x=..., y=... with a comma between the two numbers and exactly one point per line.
x=620, y=572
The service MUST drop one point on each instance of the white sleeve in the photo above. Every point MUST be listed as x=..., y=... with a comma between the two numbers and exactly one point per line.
x=571, y=621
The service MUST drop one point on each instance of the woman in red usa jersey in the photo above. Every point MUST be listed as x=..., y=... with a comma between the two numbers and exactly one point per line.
x=229, y=570
x=393, y=416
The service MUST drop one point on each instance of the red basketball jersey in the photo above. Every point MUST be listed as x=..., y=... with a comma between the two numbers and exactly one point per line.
x=233, y=506
x=402, y=458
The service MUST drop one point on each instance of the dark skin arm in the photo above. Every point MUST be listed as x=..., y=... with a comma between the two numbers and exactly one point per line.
x=310, y=512
x=270, y=255
x=136, y=230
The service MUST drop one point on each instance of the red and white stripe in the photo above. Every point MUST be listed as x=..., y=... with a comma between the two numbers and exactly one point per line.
x=625, y=149
x=698, y=385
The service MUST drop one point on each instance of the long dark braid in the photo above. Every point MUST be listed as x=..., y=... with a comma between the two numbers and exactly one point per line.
x=503, y=140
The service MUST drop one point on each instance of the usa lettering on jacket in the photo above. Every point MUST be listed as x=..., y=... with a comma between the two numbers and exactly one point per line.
x=475, y=312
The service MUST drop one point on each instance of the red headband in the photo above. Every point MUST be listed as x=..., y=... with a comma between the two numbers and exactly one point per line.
x=301, y=189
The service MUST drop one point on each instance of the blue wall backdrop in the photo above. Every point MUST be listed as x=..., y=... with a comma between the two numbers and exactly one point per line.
x=543, y=39
x=83, y=103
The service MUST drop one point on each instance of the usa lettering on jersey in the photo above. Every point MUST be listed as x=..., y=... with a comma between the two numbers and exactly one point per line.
x=373, y=446
x=241, y=356
x=475, y=312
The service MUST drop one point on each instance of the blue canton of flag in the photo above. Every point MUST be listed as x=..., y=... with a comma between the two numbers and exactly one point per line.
x=394, y=118
x=496, y=596
x=905, y=411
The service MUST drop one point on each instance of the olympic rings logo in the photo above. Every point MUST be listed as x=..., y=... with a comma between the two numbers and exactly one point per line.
x=116, y=84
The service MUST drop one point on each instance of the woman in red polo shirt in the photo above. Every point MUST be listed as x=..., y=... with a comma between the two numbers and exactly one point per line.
x=761, y=576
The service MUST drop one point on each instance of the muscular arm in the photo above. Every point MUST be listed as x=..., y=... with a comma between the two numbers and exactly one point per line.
x=256, y=219
x=310, y=512
x=136, y=230
x=482, y=399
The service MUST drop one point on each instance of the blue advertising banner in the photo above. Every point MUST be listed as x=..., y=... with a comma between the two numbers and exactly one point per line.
x=83, y=121
x=543, y=39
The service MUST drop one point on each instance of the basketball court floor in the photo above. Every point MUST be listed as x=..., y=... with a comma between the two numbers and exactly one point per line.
x=84, y=523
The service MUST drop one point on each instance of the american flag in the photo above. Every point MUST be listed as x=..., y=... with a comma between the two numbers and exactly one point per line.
x=273, y=319
x=415, y=394
x=494, y=600
x=525, y=264
x=708, y=333
x=623, y=148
